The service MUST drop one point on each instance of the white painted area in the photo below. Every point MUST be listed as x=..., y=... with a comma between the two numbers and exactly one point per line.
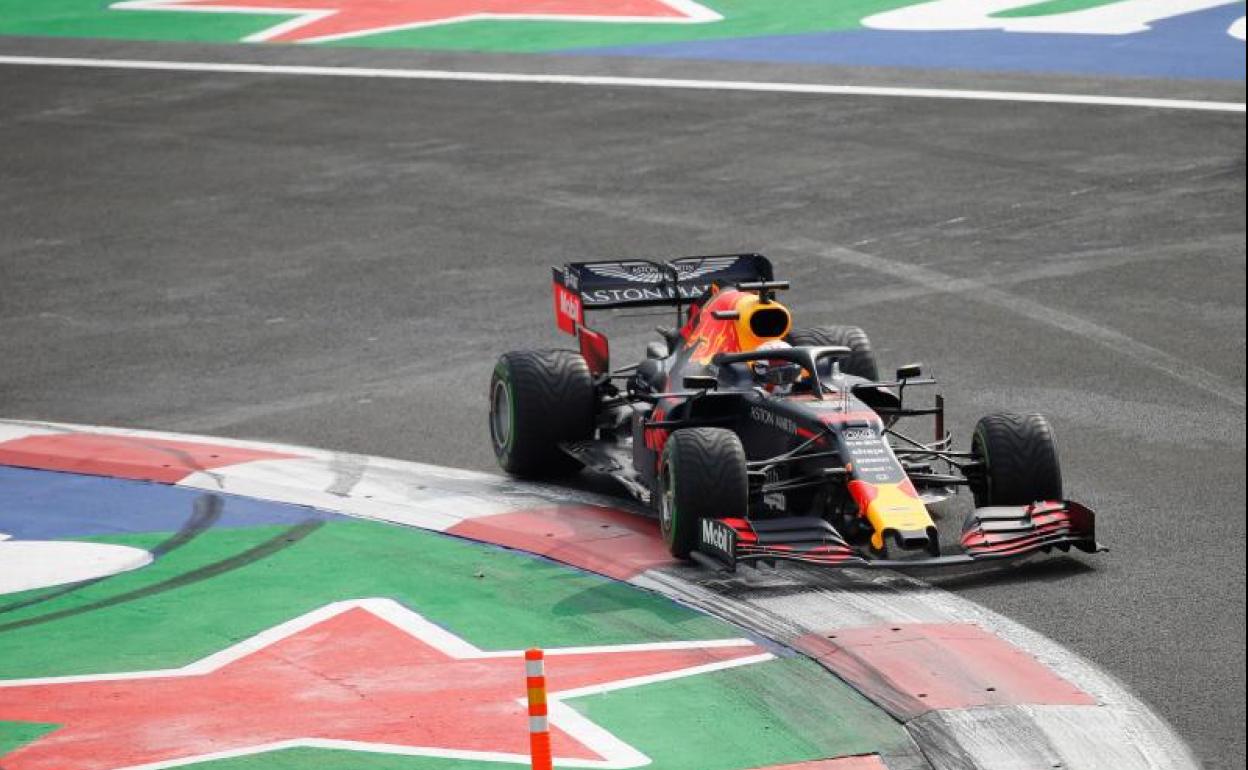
x=639, y=681
x=1124, y=17
x=1120, y=733
x=11, y=430
x=794, y=601
x=624, y=761
x=374, y=488
x=1062, y=736
x=412, y=494
x=427, y=512
x=1237, y=28
x=691, y=13
x=616, y=754
x=412, y=623
x=29, y=564
x=746, y=86
x=15, y=429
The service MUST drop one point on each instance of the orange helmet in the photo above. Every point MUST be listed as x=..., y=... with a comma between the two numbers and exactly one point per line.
x=763, y=367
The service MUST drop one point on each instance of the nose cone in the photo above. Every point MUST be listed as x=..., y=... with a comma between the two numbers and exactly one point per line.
x=917, y=540
x=895, y=509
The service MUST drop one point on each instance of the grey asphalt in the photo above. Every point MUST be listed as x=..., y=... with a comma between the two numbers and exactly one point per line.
x=336, y=262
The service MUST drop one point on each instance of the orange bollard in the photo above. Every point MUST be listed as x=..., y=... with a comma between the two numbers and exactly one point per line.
x=539, y=727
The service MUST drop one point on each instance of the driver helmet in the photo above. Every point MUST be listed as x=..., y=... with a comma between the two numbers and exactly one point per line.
x=762, y=366
x=774, y=345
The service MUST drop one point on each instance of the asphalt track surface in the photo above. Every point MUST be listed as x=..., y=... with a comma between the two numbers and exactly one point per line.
x=337, y=262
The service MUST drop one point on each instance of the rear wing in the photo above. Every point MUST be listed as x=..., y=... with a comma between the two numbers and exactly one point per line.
x=582, y=286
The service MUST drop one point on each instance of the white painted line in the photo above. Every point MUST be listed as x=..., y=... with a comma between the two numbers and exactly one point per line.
x=690, y=13
x=816, y=89
x=417, y=626
x=616, y=754
x=1124, y=17
x=639, y=681
x=1122, y=732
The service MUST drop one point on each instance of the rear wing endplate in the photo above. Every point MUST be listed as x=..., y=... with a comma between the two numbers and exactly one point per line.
x=582, y=286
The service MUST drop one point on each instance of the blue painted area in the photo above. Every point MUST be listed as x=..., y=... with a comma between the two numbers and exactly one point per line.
x=46, y=505
x=1194, y=45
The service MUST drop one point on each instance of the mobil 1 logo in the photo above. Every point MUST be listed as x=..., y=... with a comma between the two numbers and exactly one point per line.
x=718, y=540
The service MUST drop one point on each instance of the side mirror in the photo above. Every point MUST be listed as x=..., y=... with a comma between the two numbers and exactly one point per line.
x=700, y=382
x=909, y=372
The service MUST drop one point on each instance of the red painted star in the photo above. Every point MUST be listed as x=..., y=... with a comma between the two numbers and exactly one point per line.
x=322, y=20
x=366, y=675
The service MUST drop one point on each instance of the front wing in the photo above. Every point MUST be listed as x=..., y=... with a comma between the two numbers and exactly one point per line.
x=998, y=532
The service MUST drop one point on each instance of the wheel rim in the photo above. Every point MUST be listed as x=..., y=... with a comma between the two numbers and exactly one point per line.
x=979, y=447
x=500, y=414
x=667, y=501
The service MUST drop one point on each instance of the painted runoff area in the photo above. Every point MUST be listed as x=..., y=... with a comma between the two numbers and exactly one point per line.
x=1143, y=38
x=263, y=555
x=260, y=634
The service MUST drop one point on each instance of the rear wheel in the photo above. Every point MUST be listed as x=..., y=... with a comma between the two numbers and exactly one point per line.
x=861, y=361
x=1019, y=461
x=538, y=399
x=703, y=476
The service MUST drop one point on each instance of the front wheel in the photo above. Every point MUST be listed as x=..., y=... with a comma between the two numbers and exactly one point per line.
x=702, y=476
x=539, y=399
x=1018, y=460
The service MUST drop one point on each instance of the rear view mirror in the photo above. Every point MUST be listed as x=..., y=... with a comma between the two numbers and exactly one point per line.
x=700, y=382
x=909, y=372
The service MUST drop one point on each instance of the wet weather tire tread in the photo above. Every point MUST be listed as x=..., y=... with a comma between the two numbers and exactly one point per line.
x=709, y=472
x=1020, y=458
x=552, y=397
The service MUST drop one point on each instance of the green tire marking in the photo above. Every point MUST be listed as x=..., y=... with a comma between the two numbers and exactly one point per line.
x=504, y=376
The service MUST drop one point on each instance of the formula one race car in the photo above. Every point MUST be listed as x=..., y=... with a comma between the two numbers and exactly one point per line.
x=756, y=442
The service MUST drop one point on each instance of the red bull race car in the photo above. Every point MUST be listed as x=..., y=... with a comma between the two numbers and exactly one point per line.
x=757, y=442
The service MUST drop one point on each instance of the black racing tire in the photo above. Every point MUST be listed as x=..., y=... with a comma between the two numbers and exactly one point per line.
x=1019, y=462
x=702, y=476
x=538, y=399
x=861, y=361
